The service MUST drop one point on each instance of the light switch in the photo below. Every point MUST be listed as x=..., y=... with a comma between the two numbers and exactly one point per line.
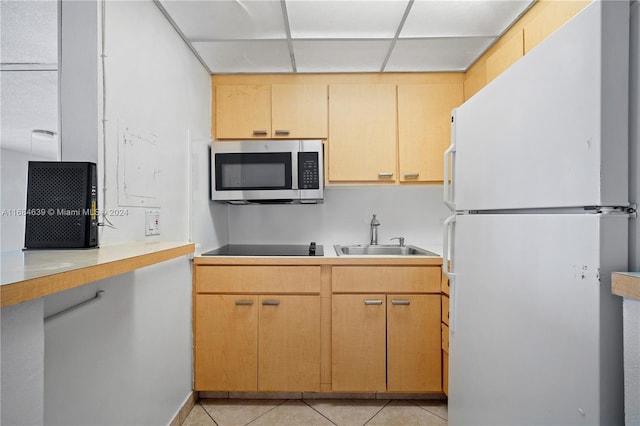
x=152, y=222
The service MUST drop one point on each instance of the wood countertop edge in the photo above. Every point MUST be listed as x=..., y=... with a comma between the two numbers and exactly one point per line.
x=23, y=291
x=320, y=260
x=626, y=285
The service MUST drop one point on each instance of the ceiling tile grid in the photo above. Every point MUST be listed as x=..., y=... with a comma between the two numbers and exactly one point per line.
x=325, y=36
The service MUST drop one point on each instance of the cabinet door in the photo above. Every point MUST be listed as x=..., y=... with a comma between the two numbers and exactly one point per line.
x=413, y=343
x=510, y=51
x=289, y=350
x=362, y=132
x=243, y=111
x=424, y=129
x=299, y=111
x=226, y=343
x=358, y=342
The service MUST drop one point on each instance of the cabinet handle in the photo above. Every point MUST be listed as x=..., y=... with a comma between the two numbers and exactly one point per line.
x=270, y=302
x=259, y=132
x=373, y=302
x=411, y=175
x=385, y=174
x=244, y=302
x=282, y=132
x=400, y=302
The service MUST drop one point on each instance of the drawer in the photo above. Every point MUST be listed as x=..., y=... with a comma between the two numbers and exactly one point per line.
x=445, y=373
x=385, y=279
x=445, y=283
x=445, y=309
x=445, y=337
x=257, y=279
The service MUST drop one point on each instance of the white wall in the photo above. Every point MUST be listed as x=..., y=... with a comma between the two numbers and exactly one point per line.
x=78, y=78
x=22, y=384
x=127, y=359
x=414, y=212
x=631, y=308
x=29, y=100
x=634, y=133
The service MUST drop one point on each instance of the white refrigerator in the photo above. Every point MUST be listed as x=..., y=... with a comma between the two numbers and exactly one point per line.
x=537, y=178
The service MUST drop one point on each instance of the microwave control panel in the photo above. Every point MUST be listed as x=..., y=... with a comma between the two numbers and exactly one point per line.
x=308, y=175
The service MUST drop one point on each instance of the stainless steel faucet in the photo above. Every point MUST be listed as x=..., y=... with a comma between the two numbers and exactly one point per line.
x=400, y=240
x=374, y=230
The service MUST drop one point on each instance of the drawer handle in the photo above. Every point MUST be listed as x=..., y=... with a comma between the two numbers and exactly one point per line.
x=270, y=302
x=400, y=302
x=259, y=132
x=282, y=132
x=385, y=174
x=373, y=302
x=411, y=175
x=244, y=302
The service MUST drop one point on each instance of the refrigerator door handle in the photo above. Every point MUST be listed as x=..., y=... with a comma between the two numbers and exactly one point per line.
x=448, y=185
x=446, y=239
x=447, y=267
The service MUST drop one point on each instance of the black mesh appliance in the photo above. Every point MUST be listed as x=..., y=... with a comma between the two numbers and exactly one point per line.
x=62, y=205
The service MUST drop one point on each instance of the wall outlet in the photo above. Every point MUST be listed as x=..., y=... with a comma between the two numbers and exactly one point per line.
x=152, y=222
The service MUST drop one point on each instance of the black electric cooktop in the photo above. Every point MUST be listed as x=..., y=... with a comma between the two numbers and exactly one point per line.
x=267, y=250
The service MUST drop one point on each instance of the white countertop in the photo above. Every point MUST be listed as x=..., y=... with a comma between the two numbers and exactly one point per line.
x=30, y=274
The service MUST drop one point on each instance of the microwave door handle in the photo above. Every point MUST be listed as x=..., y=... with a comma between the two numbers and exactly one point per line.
x=294, y=168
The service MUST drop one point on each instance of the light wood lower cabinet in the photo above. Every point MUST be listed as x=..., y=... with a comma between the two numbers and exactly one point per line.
x=386, y=343
x=289, y=343
x=260, y=328
x=226, y=342
x=445, y=333
x=257, y=328
x=257, y=343
x=413, y=343
x=358, y=342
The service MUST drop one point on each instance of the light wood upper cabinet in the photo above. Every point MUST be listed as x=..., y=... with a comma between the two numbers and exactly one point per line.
x=362, y=132
x=299, y=111
x=552, y=16
x=424, y=129
x=358, y=342
x=413, y=343
x=242, y=111
x=264, y=111
x=507, y=55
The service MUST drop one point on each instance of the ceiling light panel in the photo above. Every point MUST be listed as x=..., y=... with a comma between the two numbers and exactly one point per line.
x=345, y=18
x=340, y=55
x=443, y=18
x=437, y=54
x=227, y=19
x=257, y=56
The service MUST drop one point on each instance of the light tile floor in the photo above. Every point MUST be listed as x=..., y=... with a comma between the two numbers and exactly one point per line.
x=311, y=412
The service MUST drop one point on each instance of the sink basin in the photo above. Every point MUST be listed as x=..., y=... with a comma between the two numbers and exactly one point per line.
x=381, y=250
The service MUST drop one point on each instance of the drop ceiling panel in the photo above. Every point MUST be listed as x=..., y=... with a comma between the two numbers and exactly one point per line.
x=257, y=56
x=445, y=54
x=250, y=36
x=340, y=55
x=441, y=18
x=29, y=32
x=345, y=18
x=225, y=19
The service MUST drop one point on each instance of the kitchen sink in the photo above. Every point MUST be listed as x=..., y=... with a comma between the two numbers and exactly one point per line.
x=381, y=250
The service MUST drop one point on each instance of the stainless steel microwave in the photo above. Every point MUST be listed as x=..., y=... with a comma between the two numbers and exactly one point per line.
x=267, y=171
